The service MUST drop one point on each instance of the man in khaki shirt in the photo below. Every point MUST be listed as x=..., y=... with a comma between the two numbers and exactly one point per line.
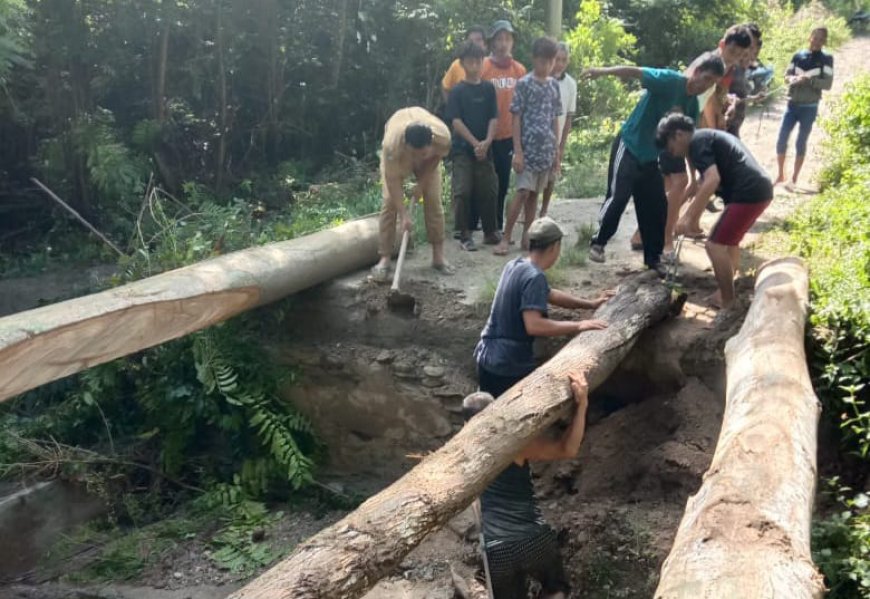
x=415, y=142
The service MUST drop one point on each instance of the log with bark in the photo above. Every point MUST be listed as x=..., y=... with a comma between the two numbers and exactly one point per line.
x=348, y=558
x=746, y=533
x=48, y=343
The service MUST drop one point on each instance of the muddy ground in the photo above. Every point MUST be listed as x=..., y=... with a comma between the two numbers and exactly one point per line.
x=651, y=433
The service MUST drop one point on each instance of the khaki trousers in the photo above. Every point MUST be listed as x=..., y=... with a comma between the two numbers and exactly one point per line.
x=433, y=214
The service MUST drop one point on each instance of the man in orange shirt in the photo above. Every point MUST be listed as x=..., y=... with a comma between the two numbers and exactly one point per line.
x=504, y=72
x=456, y=73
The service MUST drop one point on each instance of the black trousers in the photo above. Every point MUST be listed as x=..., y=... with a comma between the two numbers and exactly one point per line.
x=627, y=178
x=495, y=384
x=502, y=156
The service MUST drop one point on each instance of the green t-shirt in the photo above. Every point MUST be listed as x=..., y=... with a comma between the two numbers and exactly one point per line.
x=665, y=92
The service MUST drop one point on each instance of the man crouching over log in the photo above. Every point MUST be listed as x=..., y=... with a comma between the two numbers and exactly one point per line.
x=726, y=167
x=505, y=352
x=518, y=543
x=415, y=143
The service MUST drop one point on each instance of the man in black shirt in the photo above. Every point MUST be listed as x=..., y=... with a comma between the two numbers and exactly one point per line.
x=517, y=541
x=472, y=112
x=726, y=167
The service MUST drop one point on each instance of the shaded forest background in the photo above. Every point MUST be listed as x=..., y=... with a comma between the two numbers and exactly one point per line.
x=258, y=100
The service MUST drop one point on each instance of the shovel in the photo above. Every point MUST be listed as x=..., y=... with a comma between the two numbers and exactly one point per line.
x=397, y=301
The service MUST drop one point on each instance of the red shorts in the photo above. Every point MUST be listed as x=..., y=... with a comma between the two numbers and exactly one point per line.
x=735, y=221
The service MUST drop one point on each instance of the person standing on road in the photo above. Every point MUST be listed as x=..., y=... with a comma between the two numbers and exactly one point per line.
x=472, y=111
x=415, y=143
x=536, y=108
x=809, y=74
x=518, y=542
x=505, y=353
x=503, y=71
x=634, y=169
x=568, y=95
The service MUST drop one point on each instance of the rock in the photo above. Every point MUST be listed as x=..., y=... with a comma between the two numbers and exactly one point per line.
x=435, y=372
x=176, y=575
x=385, y=357
x=432, y=383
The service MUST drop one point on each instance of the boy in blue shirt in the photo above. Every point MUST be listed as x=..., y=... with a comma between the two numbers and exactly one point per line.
x=505, y=352
x=633, y=168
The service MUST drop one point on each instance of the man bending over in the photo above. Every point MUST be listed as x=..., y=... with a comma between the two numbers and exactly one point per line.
x=415, y=143
x=726, y=166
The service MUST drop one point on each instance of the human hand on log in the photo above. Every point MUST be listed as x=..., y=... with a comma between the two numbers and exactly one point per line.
x=591, y=325
x=602, y=299
x=580, y=388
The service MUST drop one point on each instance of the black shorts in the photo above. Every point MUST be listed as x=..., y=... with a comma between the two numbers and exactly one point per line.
x=671, y=165
x=511, y=563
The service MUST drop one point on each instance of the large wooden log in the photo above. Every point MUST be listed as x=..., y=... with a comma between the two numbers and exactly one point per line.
x=746, y=533
x=348, y=558
x=48, y=343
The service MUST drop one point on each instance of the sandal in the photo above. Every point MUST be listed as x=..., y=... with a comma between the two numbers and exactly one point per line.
x=444, y=268
x=468, y=245
x=380, y=274
x=636, y=247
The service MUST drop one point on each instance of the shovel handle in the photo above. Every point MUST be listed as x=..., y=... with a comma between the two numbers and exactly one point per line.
x=400, y=262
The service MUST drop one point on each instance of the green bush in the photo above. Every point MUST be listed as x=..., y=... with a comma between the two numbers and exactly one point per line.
x=833, y=234
x=849, y=141
x=841, y=546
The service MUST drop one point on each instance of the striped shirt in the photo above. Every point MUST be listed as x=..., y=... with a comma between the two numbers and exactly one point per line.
x=819, y=67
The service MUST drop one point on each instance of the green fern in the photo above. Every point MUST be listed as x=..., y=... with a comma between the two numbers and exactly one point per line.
x=274, y=424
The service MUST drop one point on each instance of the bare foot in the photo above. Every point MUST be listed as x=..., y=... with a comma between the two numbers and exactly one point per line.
x=691, y=233
x=714, y=300
x=780, y=179
x=502, y=248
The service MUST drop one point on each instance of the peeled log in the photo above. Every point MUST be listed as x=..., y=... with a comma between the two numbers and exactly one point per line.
x=746, y=533
x=348, y=558
x=48, y=343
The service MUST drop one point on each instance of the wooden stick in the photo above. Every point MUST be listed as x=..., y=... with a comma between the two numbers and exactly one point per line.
x=746, y=533
x=78, y=216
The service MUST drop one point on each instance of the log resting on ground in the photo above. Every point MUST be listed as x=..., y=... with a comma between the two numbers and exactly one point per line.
x=348, y=558
x=746, y=533
x=48, y=343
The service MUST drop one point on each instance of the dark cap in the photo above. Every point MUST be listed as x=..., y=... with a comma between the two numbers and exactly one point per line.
x=501, y=25
x=545, y=231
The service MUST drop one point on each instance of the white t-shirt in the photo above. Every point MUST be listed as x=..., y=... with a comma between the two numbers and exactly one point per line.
x=568, y=94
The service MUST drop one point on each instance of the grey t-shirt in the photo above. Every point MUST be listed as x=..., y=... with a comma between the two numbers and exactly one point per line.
x=539, y=104
x=509, y=509
x=505, y=348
